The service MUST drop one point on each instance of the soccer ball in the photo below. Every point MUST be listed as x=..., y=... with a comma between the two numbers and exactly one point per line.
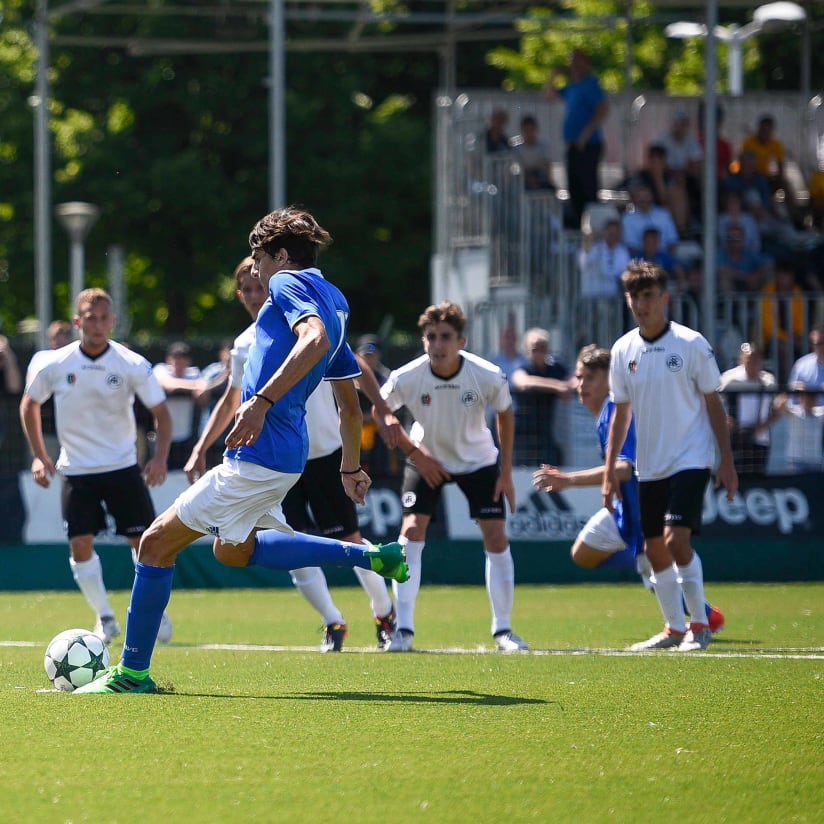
x=74, y=658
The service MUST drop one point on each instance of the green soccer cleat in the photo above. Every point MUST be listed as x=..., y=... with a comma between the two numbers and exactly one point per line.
x=388, y=560
x=119, y=679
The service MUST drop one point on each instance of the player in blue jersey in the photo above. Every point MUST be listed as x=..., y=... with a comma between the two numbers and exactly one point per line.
x=609, y=539
x=300, y=338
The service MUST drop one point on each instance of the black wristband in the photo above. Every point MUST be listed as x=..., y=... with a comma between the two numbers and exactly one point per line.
x=351, y=471
x=264, y=398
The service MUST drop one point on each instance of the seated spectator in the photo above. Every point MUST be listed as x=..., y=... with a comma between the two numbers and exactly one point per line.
x=602, y=258
x=651, y=250
x=769, y=157
x=539, y=383
x=805, y=437
x=734, y=214
x=666, y=190
x=809, y=368
x=749, y=182
x=685, y=159
x=643, y=214
x=747, y=392
x=533, y=155
x=723, y=148
x=738, y=269
x=782, y=315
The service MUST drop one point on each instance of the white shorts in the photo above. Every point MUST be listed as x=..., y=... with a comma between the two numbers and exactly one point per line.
x=601, y=532
x=233, y=498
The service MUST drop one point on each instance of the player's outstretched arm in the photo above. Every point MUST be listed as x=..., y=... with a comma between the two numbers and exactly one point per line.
x=219, y=419
x=389, y=427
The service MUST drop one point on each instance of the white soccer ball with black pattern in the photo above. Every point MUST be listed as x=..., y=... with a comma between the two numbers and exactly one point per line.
x=75, y=657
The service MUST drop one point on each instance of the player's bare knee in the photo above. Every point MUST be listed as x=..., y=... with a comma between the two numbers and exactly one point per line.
x=230, y=554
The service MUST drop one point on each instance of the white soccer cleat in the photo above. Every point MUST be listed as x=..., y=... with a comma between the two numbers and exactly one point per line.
x=664, y=640
x=508, y=641
x=697, y=637
x=164, y=634
x=107, y=628
x=401, y=641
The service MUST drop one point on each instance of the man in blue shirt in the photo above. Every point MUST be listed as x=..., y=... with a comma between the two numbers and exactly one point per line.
x=300, y=339
x=586, y=110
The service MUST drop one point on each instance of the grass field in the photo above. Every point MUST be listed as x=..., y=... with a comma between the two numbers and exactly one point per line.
x=258, y=726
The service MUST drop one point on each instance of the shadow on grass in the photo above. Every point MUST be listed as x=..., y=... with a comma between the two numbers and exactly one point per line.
x=468, y=697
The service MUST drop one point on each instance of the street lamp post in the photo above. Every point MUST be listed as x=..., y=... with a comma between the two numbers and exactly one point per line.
x=767, y=17
x=77, y=219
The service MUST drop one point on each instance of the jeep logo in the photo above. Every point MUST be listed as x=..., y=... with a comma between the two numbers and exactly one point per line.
x=786, y=507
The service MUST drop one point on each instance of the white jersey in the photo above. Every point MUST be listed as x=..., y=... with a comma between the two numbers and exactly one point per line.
x=181, y=407
x=93, y=404
x=449, y=412
x=665, y=381
x=322, y=419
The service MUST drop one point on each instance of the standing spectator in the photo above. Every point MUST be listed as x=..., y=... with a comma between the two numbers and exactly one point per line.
x=447, y=390
x=723, y=148
x=539, y=383
x=94, y=381
x=495, y=137
x=186, y=395
x=586, y=110
x=809, y=369
x=685, y=159
x=769, y=157
x=602, y=258
x=666, y=374
x=533, y=154
x=748, y=392
x=508, y=358
x=11, y=447
x=805, y=438
x=645, y=213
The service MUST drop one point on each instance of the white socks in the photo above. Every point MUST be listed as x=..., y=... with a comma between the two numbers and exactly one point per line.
x=500, y=586
x=311, y=583
x=692, y=583
x=668, y=592
x=407, y=593
x=375, y=587
x=88, y=576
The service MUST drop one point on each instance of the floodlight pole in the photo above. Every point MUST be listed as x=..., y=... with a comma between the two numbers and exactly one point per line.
x=277, y=108
x=42, y=177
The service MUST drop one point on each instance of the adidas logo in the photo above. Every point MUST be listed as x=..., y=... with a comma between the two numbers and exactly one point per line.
x=214, y=530
x=546, y=514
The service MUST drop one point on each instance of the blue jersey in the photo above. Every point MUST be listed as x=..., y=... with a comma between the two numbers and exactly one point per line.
x=283, y=445
x=627, y=512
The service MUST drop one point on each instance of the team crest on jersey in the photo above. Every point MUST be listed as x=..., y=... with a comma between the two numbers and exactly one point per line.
x=71, y=379
x=114, y=381
x=469, y=398
x=675, y=363
x=409, y=499
x=632, y=367
x=426, y=399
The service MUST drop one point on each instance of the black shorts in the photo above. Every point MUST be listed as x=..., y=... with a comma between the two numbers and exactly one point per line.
x=320, y=490
x=478, y=487
x=674, y=501
x=123, y=493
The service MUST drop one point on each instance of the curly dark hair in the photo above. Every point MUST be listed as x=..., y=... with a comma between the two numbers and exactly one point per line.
x=446, y=312
x=293, y=229
x=641, y=274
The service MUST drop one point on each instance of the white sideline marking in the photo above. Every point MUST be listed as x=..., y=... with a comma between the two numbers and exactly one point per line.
x=797, y=653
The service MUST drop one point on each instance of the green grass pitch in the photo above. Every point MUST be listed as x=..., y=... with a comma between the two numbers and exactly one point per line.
x=258, y=726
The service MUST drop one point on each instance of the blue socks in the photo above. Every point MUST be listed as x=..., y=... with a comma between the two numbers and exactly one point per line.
x=624, y=559
x=277, y=550
x=150, y=595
